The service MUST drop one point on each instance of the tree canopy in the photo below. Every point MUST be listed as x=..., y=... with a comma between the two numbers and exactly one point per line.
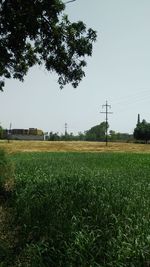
x=38, y=32
x=142, y=131
x=97, y=133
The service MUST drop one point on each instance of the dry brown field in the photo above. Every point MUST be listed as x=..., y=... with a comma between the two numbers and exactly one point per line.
x=76, y=146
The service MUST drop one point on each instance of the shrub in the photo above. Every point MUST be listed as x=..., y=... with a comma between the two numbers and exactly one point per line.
x=6, y=174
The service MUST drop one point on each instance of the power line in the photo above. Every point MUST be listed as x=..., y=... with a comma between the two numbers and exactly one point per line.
x=106, y=112
x=69, y=1
x=131, y=97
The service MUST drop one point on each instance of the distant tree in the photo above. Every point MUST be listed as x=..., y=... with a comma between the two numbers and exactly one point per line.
x=112, y=135
x=142, y=131
x=68, y=137
x=117, y=136
x=96, y=133
x=54, y=136
x=65, y=137
x=38, y=32
x=81, y=136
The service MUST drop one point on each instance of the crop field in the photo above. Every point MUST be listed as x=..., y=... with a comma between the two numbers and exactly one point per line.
x=76, y=146
x=77, y=210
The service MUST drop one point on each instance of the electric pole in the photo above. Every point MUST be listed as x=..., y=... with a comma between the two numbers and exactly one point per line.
x=106, y=112
x=66, y=129
x=138, y=120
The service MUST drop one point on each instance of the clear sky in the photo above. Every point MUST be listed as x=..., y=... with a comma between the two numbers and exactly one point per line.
x=118, y=71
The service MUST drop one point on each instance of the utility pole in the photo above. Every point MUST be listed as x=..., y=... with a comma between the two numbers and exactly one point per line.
x=138, y=120
x=106, y=106
x=66, y=129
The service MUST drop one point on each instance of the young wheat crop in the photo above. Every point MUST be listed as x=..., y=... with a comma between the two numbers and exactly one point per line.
x=82, y=210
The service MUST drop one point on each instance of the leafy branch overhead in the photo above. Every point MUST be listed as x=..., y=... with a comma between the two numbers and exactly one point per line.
x=38, y=32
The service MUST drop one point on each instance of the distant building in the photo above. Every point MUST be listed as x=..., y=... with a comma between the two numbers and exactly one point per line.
x=24, y=134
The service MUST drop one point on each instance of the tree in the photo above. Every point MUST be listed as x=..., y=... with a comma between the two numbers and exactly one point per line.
x=97, y=133
x=54, y=136
x=38, y=32
x=81, y=136
x=142, y=131
x=112, y=135
x=123, y=137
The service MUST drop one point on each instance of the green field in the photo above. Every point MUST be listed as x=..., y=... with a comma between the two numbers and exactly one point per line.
x=77, y=210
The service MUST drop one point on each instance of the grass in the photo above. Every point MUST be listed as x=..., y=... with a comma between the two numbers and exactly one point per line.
x=78, y=146
x=79, y=210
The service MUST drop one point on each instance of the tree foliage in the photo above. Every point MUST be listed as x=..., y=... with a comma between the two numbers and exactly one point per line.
x=6, y=174
x=142, y=131
x=117, y=136
x=97, y=133
x=38, y=32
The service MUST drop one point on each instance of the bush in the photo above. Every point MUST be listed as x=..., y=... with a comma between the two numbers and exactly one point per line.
x=6, y=174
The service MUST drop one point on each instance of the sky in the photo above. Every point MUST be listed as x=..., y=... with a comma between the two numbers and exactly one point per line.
x=118, y=71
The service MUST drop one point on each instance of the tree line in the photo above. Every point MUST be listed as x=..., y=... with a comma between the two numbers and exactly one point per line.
x=140, y=134
x=98, y=133
x=95, y=133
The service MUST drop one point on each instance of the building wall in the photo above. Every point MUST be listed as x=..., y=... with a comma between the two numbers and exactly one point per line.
x=26, y=137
